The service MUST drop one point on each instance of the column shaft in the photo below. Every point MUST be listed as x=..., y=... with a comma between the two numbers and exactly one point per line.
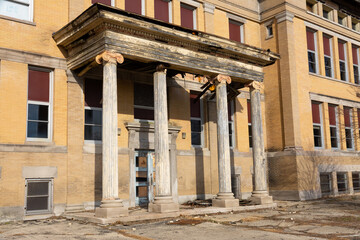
x=161, y=136
x=109, y=133
x=163, y=200
x=225, y=198
x=259, y=159
x=223, y=139
x=260, y=194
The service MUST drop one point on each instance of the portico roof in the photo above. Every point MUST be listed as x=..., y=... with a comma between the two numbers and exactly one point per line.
x=142, y=39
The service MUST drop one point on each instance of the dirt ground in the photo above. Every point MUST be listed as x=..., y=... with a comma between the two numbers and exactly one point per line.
x=332, y=218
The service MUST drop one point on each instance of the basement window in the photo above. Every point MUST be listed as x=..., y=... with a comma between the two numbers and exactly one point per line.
x=38, y=194
x=325, y=182
x=356, y=181
x=342, y=182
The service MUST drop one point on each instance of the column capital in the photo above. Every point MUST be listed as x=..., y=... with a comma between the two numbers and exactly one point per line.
x=255, y=85
x=108, y=56
x=223, y=79
x=161, y=68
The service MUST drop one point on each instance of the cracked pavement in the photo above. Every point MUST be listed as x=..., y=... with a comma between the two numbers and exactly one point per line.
x=332, y=218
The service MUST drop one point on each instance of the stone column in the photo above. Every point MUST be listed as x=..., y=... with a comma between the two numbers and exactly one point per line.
x=225, y=198
x=111, y=205
x=260, y=195
x=163, y=198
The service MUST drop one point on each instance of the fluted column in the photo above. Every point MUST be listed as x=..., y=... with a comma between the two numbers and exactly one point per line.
x=260, y=195
x=111, y=205
x=225, y=198
x=163, y=198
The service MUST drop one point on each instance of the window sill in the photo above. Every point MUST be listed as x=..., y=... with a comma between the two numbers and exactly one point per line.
x=17, y=20
x=333, y=79
x=42, y=142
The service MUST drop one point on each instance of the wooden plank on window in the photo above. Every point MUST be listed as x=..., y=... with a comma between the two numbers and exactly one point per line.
x=316, y=112
x=347, y=117
x=249, y=111
x=142, y=191
x=341, y=51
x=106, y=2
x=327, y=50
x=162, y=10
x=234, y=31
x=133, y=6
x=194, y=107
x=310, y=40
x=355, y=55
x=187, y=16
x=332, y=115
x=39, y=86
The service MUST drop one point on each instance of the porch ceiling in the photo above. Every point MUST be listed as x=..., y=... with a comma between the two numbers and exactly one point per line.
x=147, y=40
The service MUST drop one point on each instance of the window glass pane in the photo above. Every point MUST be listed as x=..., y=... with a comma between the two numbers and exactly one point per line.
x=195, y=139
x=93, y=132
x=250, y=135
x=37, y=203
x=195, y=106
x=143, y=95
x=312, y=63
x=93, y=93
x=93, y=116
x=143, y=114
x=37, y=188
x=38, y=112
x=15, y=9
x=196, y=125
x=37, y=129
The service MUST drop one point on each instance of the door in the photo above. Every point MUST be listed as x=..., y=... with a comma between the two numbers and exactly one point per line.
x=145, y=177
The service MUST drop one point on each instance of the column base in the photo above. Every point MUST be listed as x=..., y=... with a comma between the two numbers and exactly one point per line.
x=163, y=205
x=111, y=209
x=261, y=197
x=225, y=200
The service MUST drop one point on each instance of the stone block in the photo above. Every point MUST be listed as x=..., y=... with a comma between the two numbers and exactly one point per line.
x=261, y=200
x=111, y=212
x=225, y=203
x=163, y=207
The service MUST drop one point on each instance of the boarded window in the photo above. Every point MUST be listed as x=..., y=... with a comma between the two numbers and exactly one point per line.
x=93, y=111
x=347, y=117
x=310, y=40
x=187, y=16
x=133, y=6
x=162, y=10
x=312, y=58
x=38, y=114
x=235, y=30
x=317, y=126
x=38, y=196
x=106, y=2
x=334, y=131
x=341, y=51
x=39, y=83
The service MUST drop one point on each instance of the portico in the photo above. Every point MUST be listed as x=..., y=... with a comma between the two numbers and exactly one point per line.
x=114, y=38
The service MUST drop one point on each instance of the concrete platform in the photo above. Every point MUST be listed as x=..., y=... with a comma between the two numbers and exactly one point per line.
x=142, y=214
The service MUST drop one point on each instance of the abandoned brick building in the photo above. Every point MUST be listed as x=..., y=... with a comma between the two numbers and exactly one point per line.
x=111, y=104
